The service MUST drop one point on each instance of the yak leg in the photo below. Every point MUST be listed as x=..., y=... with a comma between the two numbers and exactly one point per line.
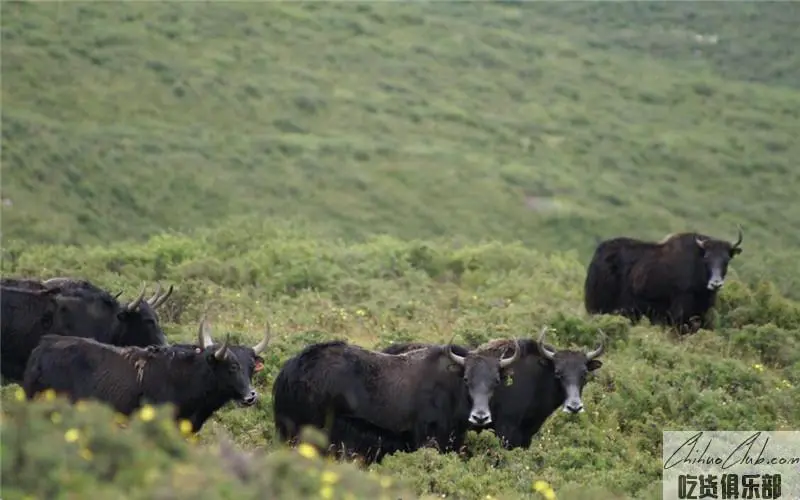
x=679, y=309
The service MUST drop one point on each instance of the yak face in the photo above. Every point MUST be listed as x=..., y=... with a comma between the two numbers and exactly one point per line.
x=230, y=377
x=235, y=365
x=482, y=375
x=137, y=320
x=716, y=255
x=571, y=369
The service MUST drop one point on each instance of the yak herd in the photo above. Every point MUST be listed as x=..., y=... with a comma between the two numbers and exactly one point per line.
x=71, y=336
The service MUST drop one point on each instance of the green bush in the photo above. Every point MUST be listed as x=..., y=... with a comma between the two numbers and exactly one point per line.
x=742, y=375
x=51, y=449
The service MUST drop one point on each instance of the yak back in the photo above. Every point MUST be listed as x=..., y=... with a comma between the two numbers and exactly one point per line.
x=671, y=266
x=86, y=369
x=406, y=347
x=386, y=391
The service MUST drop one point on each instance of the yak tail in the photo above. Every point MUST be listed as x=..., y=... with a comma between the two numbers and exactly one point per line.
x=603, y=282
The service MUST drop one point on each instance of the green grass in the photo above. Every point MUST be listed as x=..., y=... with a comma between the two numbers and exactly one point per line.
x=468, y=120
x=405, y=171
x=744, y=375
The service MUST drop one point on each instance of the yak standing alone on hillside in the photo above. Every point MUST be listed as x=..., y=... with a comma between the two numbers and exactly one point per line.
x=673, y=282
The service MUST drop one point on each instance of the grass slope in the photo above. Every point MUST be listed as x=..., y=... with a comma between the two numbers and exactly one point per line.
x=548, y=123
x=744, y=375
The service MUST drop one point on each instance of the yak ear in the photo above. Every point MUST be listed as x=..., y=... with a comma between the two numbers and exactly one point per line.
x=735, y=251
x=594, y=364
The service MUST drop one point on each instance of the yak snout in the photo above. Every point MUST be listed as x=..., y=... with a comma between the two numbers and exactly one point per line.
x=480, y=417
x=573, y=407
x=715, y=283
x=251, y=398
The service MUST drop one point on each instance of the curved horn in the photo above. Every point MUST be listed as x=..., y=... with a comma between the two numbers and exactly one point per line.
x=118, y=295
x=204, y=334
x=455, y=357
x=135, y=303
x=259, y=348
x=223, y=350
x=599, y=349
x=700, y=243
x=739, y=240
x=160, y=301
x=547, y=353
x=504, y=362
x=152, y=300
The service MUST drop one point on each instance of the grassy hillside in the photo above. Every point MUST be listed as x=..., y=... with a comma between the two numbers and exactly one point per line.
x=744, y=375
x=549, y=123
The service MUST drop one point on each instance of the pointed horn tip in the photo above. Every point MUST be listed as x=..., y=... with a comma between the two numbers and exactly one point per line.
x=135, y=303
x=153, y=298
x=159, y=301
x=259, y=348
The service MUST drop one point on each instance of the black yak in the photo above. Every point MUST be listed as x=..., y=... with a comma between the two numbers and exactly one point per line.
x=74, y=308
x=531, y=387
x=673, y=282
x=373, y=404
x=197, y=380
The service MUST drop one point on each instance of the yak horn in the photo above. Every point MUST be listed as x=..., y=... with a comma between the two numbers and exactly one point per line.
x=259, y=348
x=455, y=357
x=739, y=240
x=504, y=362
x=203, y=334
x=599, y=350
x=163, y=298
x=223, y=350
x=152, y=299
x=700, y=243
x=135, y=303
x=547, y=353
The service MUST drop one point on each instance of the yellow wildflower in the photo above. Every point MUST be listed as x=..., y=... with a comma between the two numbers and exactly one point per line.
x=49, y=395
x=80, y=406
x=148, y=413
x=549, y=494
x=326, y=492
x=386, y=482
x=787, y=384
x=55, y=418
x=72, y=435
x=329, y=477
x=540, y=486
x=307, y=450
x=759, y=367
x=86, y=454
x=120, y=418
x=19, y=394
x=185, y=427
